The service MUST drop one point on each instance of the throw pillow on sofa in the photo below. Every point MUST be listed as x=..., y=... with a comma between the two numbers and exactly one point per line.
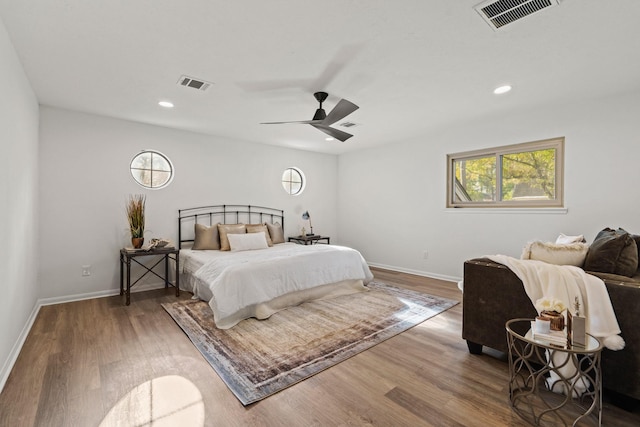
x=554, y=253
x=563, y=239
x=613, y=251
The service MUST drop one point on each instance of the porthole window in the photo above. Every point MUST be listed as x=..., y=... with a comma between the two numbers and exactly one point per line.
x=152, y=169
x=293, y=181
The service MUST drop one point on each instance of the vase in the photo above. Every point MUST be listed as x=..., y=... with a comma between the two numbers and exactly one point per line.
x=556, y=319
x=137, y=242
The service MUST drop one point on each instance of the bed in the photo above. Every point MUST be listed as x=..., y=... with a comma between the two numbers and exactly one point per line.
x=236, y=258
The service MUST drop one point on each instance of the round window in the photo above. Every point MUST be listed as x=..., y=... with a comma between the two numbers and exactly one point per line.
x=152, y=169
x=293, y=181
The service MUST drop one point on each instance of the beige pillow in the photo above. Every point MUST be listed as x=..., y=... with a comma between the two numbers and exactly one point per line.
x=276, y=232
x=206, y=237
x=559, y=254
x=563, y=239
x=257, y=228
x=225, y=229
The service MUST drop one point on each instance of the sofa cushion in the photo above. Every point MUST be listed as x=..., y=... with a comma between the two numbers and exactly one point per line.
x=616, y=278
x=553, y=253
x=563, y=239
x=613, y=251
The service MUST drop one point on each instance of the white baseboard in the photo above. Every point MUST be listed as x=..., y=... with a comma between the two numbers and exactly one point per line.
x=99, y=294
x=15, y=351
x=417, y=272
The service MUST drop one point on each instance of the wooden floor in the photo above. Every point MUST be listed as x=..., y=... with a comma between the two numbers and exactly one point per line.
x=81, y=358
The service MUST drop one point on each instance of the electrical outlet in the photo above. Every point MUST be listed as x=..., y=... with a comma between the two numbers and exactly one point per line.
x=425, y=255
x=86, y=270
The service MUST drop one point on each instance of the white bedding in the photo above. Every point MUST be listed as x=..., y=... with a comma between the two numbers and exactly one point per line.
x=236, y=284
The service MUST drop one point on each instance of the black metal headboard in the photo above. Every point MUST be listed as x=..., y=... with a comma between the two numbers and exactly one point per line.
x=224, y=214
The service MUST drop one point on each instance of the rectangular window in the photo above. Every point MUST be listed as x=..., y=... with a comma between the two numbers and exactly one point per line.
x=520, y=175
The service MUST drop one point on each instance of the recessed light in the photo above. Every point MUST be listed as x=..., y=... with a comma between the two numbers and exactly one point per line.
x=328, y=138
x=165, y=104
x=502, y=89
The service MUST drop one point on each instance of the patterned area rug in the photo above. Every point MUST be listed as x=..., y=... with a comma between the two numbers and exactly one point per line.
x=257, y=358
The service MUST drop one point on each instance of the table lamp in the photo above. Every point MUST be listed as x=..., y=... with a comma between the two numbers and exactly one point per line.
x=307, y=217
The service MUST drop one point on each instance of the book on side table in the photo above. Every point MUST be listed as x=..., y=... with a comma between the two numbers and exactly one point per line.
x=553, y=337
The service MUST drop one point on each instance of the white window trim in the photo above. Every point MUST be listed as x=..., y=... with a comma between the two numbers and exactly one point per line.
x=558, y=203
x=303, y=179
x=152, y=152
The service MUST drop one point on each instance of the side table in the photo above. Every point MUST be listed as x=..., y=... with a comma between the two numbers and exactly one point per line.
x=310, y=240
x=166, y=254
x=550, y=383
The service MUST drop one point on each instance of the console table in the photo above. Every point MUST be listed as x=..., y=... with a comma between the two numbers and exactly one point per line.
x=166, y=254
x=550, y=383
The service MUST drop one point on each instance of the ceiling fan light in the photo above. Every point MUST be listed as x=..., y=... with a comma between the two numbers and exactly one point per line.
x=502, y=89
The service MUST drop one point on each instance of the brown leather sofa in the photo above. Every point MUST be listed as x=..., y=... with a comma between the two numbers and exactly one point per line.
x=493, y=294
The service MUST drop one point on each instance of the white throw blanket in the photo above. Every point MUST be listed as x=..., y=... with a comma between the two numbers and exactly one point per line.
x=565, y=283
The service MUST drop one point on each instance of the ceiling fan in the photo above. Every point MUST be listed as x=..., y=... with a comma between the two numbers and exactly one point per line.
x=323, y=121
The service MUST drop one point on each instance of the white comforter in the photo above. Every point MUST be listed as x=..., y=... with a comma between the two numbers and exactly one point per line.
x=242, y=279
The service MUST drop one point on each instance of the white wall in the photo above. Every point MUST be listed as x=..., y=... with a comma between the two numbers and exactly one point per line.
x=85, y=181
x=392, y=199
x=18, y=213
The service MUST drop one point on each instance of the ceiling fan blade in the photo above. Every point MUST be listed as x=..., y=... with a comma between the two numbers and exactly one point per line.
x=340, y=111
x=337, y=134
x=302, y=122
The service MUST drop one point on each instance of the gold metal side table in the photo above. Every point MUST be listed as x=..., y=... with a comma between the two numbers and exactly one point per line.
x=552, y=384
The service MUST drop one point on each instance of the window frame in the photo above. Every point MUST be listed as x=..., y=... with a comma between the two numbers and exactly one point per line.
x=498, y=152
x=303, y=181
x=152, y=153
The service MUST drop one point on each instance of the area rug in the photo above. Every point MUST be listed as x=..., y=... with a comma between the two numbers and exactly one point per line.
x=257, y=358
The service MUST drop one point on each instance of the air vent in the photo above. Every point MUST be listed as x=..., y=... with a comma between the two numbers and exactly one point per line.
x=347, y=124
x=502, y=12
x=199, y=84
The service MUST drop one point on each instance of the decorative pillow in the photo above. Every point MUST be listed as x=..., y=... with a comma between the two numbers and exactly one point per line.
x=225, y=230
x=206, y=237
x=257, y=228
x=247, y=242
x=613, y=251
x=563, y=239
x=553, y=253
x=636, y=237
x=276, y=232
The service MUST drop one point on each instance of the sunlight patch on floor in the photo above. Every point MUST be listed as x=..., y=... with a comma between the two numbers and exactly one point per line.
x=164, y=401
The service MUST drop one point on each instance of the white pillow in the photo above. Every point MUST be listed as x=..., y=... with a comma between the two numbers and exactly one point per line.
x=563, y=239
x=552, y=253
x=247, y=242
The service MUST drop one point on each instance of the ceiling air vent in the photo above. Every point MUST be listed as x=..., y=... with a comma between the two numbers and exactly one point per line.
x=187, y=81
x=347, y=124
x=502, y=12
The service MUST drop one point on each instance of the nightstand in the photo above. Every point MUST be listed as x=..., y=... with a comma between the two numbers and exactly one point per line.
x=310, y=240
x=127, y=255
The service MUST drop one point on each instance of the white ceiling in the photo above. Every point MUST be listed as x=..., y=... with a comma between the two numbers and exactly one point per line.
x=412, y=66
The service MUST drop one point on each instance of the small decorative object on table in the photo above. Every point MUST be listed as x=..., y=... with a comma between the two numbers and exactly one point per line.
x=551, y=309
x=135, y=217
x=576, y=326
x=158, y=243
